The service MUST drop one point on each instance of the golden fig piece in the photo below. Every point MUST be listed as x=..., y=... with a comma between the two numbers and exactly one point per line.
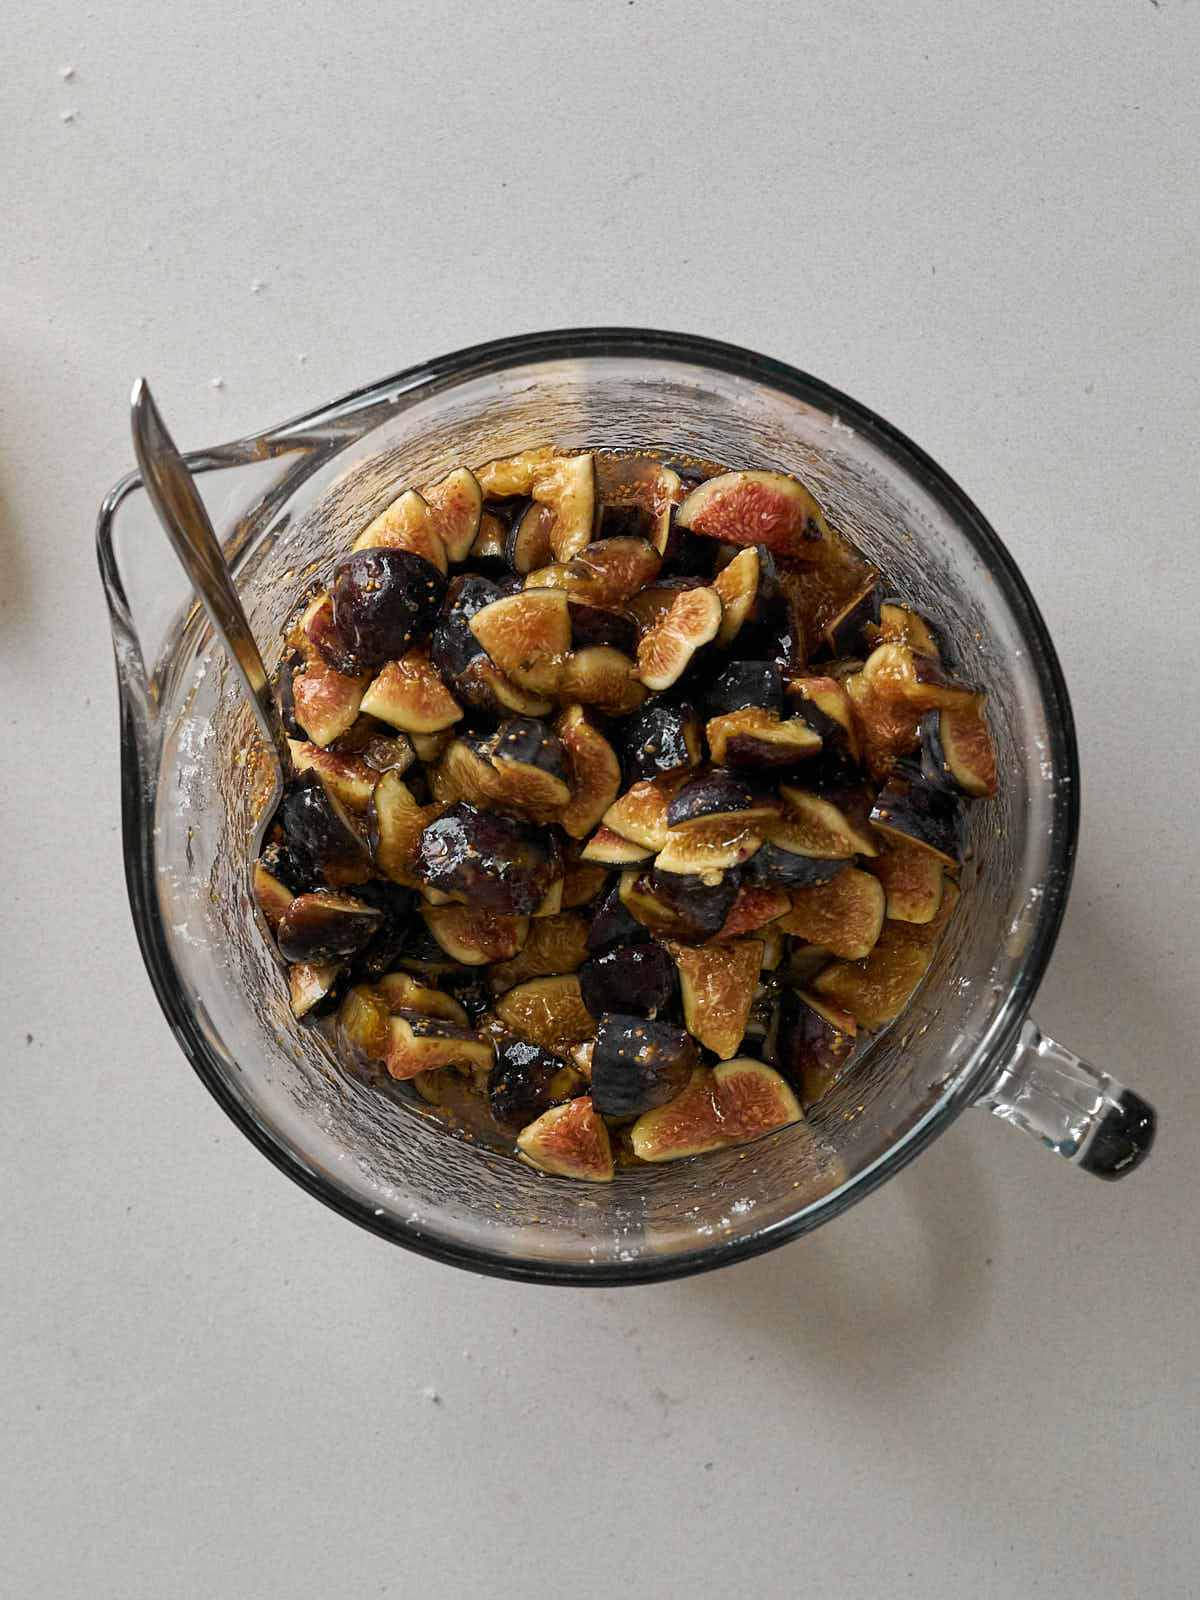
x=397, y=823
x=528, y=636
x=689, y=1125
x=476, y=937
x=641, y=812
x=876, y=991
x=737, y=584
x=407, y=524
x=555, y=945
x=756, y=508
x=754, y=908
x=815, y=827
x=912, y=880
x=895, y=672
x=363, y=1019
x=581, y=883
x=569, y=1141
x=326, y=703
x=957, y=750
x=567, y=484
x=707, y=849
x=717, y=983
x=593, y=772
x=400, y=991
x=899, y=624
x=843, y=916
x=610, y=849
x=456, y=506
x=491, y=542
x=752, y=1099
x=272, y=894
x=547, y=1011
x=608, y=573
x=602, y=677
x=308, y=984
x=888, y=727
x=410, y=695
x=667, y=648
x=423, y=1044
x=824, y=703
x=346, y=776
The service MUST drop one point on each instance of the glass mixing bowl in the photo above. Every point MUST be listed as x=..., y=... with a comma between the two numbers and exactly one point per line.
x=286, y=503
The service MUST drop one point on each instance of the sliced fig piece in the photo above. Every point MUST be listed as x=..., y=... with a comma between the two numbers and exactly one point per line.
x=325, y=703
x=565, y=484
x=322, y=835
x=667, y=648
x=424, y=1044
x=526, y=1080
x=791, y=869
x=535, y=758
x=547, y=1011
x=456, y=505
x=844, y=916
x=688, y=1125
x=493, y=861
x=638, y=1064
x=773, y=944
x=386, y=752
x=707, y=849
x=899, y=624
x=384, y=602
x=555, y=945
x=756, y=738
x=409, y=694
x=720, y=796
x=610, y=849
x=843, y=632
x=602, y=625
x=407, y=524
x=698, y=904
x=400, y=991
x=581, y=883
x=528, y=636
x=912, y=810
x=652, y=602
x=635, y=978
x=755, y=684
x=641, y=812
x=825, y=706
x=613, y=924
x=876, y=991
x=748, y=508
x=272, y=895
x=895, y=672
x=608, y=573
x=474, y=936
x=569, y=1141
x=551, y=902
x=309, y=984
x=485, y=688
x=663, y=738
x=752, y=1099
x=397, y=823
x=813, y=826
x=888, y=727
x=324, y=926
x=363, y=1019
x=490, y=545
x=528, y=543
x=348, y=778
x=912, y=880
x=642, y=901
x=957, y=751
x=430, y=747
x=737, y=586
x=754, y=907
x=718, y=987
x=592, y=770
x=643, y=485
x=602, y=677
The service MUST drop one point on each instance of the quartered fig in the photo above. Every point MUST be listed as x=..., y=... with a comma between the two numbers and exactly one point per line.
x=555, y=945
x=325, y=703
x=528, y=544
x=718, y=986
x=757, y=738
x=957, y=752
x=912, y=879
x=582, y=882
x=688, y=1125
x=642, y=485
x=456, y=507
x=662, y=738
x=696, y=907
x=401, y=991
x=453, y=646
x=397, y=823
x=602, y=677
x=814, y=826
x=385, y=601
x=899, y=624
x=754, y=907
x=896, y=672
x=752, y=1099
x=757, y=684
x=813, y=1043
x=641, y=812
x=474, y=936
x=844, y=916
x=650, y=604
x=319, y=635
x=321, y=834
x=527, y=1080
x=406, y=524
x=910, y=809
x=490, y=547
x=363, y=1022
x=876, y=991
x=310, y=985
x=887, y=726
x=565, y=484
x=613, y=924
x=569, y=1141
x=592, y=771
x=492, y=861
x=423, y=1044
x=547, y=1011
x=666, y=649
x=396, y=906
x=737, y=584
x=825, y=706
x=409, y=694
x=720, y=796
x=485, y=688
x=533, y=758
x=636, y=978
x=528, y=636
x=708, y=849
x=610, y=849
x=748, y=508
x=324, y=926
x=608, y=573
x=271, y=894
x=348, y=778
x=638, y=1064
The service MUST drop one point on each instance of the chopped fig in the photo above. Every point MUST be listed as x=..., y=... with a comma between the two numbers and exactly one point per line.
x=698, y=905
x=737, y=586
x=650, y=604
x=876, y=991
x=912, y=880
x=898, y=624
x=957, y=751
x=326, y=703
x=718, y=988
x=555, y=945
x=581, y=883
x=363, y=1019
x=613, y=924
x=757, y=684
x=844, y=916
x=592, y=770
x=474, y=936
x=773, y=944
x=756, y=738
x=528, y=543
x=752, y=1099
x=720, y=796
x=641, y=812
x=527, y=1080
x=592, y=625
x=825, y=706
x=634, y=978
x=423, y=1044
x=547, y=1011
x=348, y=778
x=323, y=926
x=309, y=983
x=602, y=677
x=747, y=508
x=400, y=991
x=551, y=902
x=667, y=648
x=608, y=572
x=397, y=823
x=752, y=909
x=534, y=757
x=272, y=895
x=407, y=524
x=528, y=636
x=384, y=602
x=321, y=834
x=688, y=1125
x=611, y=849
x=409, y=694
x=913, y=810
x=646, y=906
x=569, y=1141
x=773, y=863
x=895, y=672
x=816, y=827
x=662, y=738
x=396, y=906
x=638, y=1064
x=318, y=638
x=386, y=752
x=843, y=632
x=566, y=484
x=887, y=726
x=493, y=861
x=453, y=646
x=430, y=747
x=642, y=485
x=456, y=504
x=491, y=543
x=485, y=688
x=707, y=849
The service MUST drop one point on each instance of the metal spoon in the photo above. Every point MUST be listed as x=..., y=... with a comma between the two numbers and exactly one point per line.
x=175, y=498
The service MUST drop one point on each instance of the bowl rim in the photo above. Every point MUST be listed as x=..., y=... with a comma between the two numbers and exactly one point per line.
x=446, y=371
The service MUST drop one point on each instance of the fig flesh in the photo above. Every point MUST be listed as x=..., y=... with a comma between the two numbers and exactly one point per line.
x=547, y=1011
x=909, y=809
x=554, y=945
x=666, y=649
x=844, y=916
x=527, y=636
x=456, y=507
x=409, y=694
x=748, y=508
x=755, y=738
x=569, y=1141
x=718, y=987
x=688, y=1125
x=418, y=1043
x=476, y=937
x=752, y=1099
x=406, y=524
x=592, y=770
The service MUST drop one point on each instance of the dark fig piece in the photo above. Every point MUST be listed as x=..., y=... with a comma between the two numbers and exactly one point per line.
x=271, y=894
x=638, y=1064
x=754, y=738
x=322, y=836
x=286, y=866
x=748, y=508
x=651, y=910
x=613, y=924
x=667, y=648
x=454, y=646
x=928, y=817
x=528, y=544
x=527, y=1080
x=957, y=752
x=409, y=694
x=385, y=601
x=323, y=926
x=423, y=1044
x=844, y=916
x=311, y=985
x=844, y=632
x=637, y=978
x=333, y=645
x=720, y=796
x=813, y=1043
x=662, y=738
x=790, y=869
x=568, y=1141
x=610, y=849
x=397, y=908
x=456, y=505
x=698, y=909
x=534, y=759
x=492, y=861
x=642, y=491
x=592, y=769
x=602, y=625
x=490, y=543
x=406, y=524
x=746, y=683
x=547, y=1011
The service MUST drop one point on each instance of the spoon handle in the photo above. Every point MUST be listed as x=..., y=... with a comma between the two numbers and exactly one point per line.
x=175, y=498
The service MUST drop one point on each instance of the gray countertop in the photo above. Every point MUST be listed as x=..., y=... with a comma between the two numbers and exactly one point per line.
x=983, y=222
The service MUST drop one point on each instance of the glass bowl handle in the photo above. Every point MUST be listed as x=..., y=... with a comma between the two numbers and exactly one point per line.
x=1073, y=1109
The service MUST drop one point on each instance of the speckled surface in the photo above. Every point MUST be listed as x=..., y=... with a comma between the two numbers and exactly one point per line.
x=983, y=223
